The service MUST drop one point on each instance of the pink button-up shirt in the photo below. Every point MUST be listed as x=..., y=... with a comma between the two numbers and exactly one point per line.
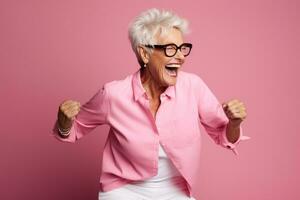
x=131, y=150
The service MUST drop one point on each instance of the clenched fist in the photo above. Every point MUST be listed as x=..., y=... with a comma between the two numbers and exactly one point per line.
x=67, y=112
x=235, y=111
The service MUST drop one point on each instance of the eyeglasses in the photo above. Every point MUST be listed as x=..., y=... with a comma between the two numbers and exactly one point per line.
x=171, y=49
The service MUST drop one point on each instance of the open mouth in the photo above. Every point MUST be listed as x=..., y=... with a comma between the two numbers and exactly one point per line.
x=172, y=69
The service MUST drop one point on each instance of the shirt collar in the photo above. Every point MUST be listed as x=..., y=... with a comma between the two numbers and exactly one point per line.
x=138, y=89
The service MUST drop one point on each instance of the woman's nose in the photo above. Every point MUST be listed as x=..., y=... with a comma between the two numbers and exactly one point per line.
x=179, y=55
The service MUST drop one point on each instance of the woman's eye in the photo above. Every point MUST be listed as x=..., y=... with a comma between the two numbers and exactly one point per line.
x=171, y=48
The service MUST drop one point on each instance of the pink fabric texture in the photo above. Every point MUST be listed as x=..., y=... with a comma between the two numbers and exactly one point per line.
x=131, y=150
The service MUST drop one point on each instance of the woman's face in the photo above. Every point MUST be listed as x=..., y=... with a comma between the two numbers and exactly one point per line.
x=163, y=69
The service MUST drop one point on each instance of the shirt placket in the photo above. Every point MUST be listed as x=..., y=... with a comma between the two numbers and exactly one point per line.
x=145, y=101
x=160, y=120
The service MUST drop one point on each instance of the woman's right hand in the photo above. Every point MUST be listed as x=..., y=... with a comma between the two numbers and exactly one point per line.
x=67, y=112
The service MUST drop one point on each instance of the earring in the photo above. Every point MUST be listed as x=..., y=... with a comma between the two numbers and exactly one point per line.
x=145, y=65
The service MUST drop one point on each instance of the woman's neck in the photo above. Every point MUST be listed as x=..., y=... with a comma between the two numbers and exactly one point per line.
x=153, y=89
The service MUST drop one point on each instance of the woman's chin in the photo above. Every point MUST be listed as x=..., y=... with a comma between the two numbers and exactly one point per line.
x=170, y=81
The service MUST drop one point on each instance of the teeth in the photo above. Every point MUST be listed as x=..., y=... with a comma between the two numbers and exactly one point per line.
x=173, y=65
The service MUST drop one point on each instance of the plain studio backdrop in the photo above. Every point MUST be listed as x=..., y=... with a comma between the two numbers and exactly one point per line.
x=53, y=50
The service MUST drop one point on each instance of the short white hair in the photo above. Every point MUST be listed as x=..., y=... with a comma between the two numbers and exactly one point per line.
x=143, y=29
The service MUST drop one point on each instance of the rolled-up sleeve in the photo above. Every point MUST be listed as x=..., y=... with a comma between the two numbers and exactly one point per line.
x=213, y=117
x=92, y=114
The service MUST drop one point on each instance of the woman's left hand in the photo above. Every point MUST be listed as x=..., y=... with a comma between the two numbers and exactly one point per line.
x=235, y=111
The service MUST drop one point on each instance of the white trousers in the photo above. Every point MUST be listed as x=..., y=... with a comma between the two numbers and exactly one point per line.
x=147, y=192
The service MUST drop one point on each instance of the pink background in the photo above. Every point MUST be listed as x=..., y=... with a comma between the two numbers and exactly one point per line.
x=53, y=50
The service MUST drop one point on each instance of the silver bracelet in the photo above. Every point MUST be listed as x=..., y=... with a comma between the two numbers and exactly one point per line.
x=64, y=132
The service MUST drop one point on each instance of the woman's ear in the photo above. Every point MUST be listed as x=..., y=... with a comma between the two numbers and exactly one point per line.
x=143, y=53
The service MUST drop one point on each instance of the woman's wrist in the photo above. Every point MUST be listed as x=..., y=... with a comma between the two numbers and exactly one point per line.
x=65, y=132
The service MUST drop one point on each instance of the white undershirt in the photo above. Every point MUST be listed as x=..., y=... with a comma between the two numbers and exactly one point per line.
x=167, y=181
x=166, y=168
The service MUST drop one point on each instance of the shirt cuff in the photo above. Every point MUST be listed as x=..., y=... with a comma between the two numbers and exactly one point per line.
x=232, y=146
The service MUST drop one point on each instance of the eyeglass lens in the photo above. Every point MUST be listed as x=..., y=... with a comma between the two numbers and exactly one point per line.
x=171, y=50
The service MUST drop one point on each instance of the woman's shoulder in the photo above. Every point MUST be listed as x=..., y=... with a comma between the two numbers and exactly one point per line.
x=192, y=82
x=119, y=86
x=189, y=78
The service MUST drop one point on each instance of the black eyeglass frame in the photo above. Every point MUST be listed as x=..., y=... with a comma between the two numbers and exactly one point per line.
x=164, y=47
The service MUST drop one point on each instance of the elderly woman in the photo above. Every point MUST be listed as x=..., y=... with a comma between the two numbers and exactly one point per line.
x=152, y=150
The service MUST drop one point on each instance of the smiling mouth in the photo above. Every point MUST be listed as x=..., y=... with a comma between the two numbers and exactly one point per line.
x=172, y=69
